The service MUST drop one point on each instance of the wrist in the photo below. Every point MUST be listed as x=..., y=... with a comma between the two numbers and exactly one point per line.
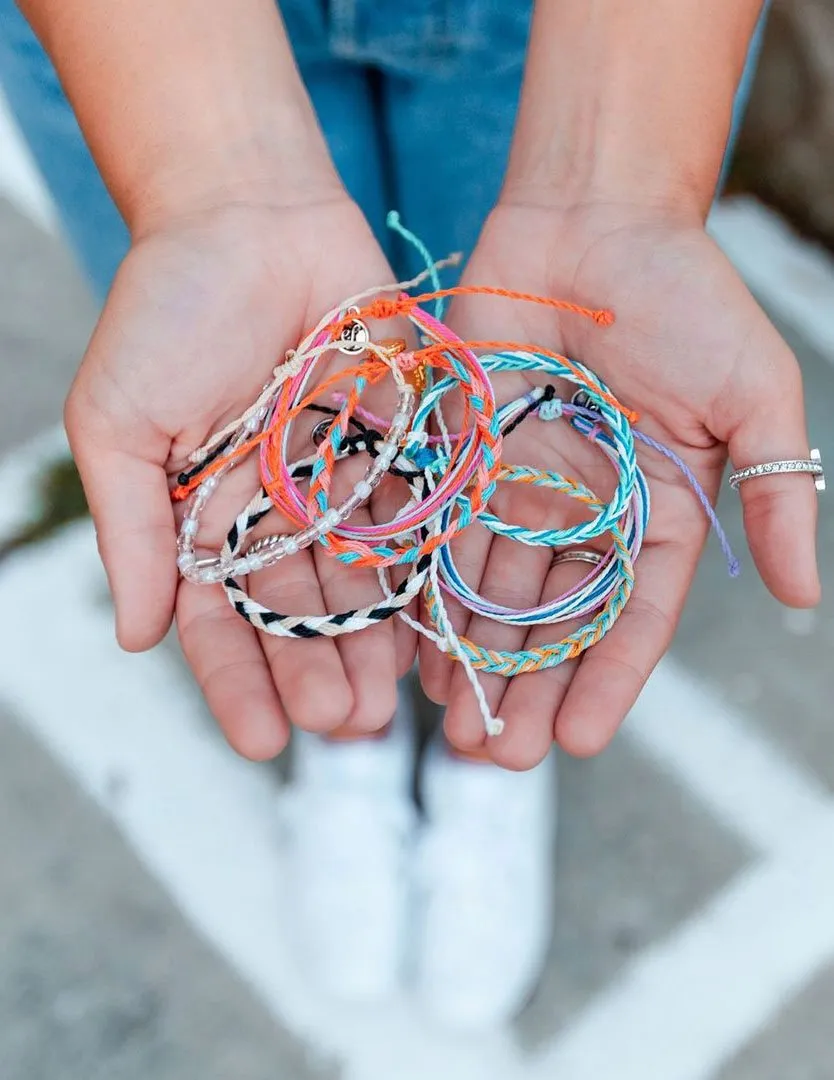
x=614, y=194
x=185, y=105
x=629, y=101
x=276, y=162
x=601, y=153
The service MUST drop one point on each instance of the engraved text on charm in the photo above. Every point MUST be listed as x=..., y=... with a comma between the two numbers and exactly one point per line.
x=354, y=336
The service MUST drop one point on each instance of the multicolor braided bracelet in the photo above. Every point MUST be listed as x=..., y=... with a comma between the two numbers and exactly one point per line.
x=451, y=478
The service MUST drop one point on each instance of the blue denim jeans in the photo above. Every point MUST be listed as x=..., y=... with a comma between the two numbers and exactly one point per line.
x=417, y=102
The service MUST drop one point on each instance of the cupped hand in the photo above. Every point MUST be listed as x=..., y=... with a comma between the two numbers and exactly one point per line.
x=201, y=311
x=691, y=351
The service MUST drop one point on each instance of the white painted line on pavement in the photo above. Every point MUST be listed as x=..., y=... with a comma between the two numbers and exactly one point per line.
x=132, y=731
x=20, y=180
x=686, y=1006
x=792, y=277
x=749, y=784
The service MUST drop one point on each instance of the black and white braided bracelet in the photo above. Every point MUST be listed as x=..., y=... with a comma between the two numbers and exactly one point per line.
x=308, y=626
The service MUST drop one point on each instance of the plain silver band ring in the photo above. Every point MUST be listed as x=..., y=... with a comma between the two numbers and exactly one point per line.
x=577, y=555
x=812, y=465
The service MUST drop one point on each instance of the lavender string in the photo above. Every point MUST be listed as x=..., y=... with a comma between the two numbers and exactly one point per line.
x=732, y=562
x=733, y=565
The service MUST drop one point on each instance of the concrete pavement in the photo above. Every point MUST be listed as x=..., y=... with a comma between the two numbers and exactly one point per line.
x=103, y=974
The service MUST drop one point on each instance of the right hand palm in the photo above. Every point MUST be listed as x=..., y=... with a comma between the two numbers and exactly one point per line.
x=199, y=314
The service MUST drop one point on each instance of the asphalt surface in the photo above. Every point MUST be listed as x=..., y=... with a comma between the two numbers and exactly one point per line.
x=102, y=976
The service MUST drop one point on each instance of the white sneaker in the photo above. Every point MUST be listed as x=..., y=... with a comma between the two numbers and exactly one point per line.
x=486, y=866
x=350, y=833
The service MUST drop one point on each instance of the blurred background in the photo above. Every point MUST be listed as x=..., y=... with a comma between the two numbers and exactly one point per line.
x=141, y=889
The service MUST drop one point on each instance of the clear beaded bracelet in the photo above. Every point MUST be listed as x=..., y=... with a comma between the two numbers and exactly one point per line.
x=213, y=570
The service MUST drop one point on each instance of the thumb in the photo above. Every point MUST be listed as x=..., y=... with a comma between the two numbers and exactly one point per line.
x=131, y=507
x=780, y=510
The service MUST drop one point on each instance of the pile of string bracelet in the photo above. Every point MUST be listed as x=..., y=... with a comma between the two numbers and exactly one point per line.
x=448, y=478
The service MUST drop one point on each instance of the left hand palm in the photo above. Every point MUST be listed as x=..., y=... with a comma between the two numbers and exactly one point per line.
x=695, y=356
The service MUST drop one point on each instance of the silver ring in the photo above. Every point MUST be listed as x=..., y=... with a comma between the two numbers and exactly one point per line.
x=319, y=432
x=812, y=465
x=577, y=555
